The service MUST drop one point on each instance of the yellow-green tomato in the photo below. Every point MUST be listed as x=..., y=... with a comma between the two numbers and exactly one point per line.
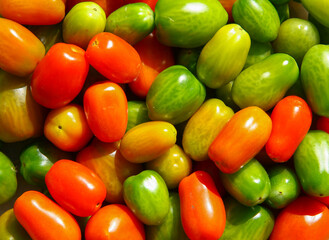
x=173, y=166
x=8, y=180
x=147, y=141
x=203, y=127
x=10, y=228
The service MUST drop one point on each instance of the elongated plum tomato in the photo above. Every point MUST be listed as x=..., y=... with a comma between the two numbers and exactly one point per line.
x=75, y=187
x=60, y=75
x=305, y=218
x=20, y=49
x=113, y=57
x=291, y=120
x=106, y=109
x=44, y=219
x=33, y=12
x=240, y=139
x=115, y=221
x=202, y=209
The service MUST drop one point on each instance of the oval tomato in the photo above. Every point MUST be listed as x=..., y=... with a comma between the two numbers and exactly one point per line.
x=106, y=109
x=113, y=57
x=60, y=75
x=20, y=49
x=115, y=221
x=202, y=209
x=44, y=219
x=75, y=187
x=291, y=120
x=240, y=139
x=33, y=12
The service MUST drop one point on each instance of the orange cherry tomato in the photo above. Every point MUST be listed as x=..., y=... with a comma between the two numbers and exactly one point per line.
x=75, y=187
x=228, y=4
x=322, y=123
x=155, y=57
x=20, y=49
x=44, y=219
x=240, y=139
x=303, y=219
x=291, y=120
x=60, y=75
x=113, y=57
x=106, y=109
x=108, y=5
x=202, y=209
x=33, y=12
x=115, y=221
x=67, y=128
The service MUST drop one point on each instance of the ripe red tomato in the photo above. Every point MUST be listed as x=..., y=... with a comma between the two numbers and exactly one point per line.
x=106, y=109
x=113, y=57
x=60, y=75
x=151, y=3
x=291, y=120
x=305, y=218
x=44, y=219
x=202, y=209
x=115, y=221
x=75, y=187
x=323, y=124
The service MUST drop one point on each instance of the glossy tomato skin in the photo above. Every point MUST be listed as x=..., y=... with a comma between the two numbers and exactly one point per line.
x=113, y=57
x=75, y=187
x=60, y=75
x=305, y=218
x=44, y=219
x=202, y=209
x=106, y=109
x=115, y=221
x=240, y=139
x=291, y=120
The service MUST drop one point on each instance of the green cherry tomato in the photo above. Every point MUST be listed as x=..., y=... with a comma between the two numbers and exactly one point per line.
x=137, y=113
x=10, y=228
x=283, y=11
x=323, y=30
x=258, y=52
x=319, y=9
x=147, y=195
x=8, y=179
x=188, y=57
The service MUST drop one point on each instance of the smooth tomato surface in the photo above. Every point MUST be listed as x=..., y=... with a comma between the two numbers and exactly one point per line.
x=75, y=187
x=44, y=219
x=108, y=5
x=60, y=75
x=151, y=3
x=322, y=123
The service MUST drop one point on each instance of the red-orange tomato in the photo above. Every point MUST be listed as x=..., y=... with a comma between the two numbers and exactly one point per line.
x=113, y=57
x=155, y=57
x=240, y=139
x=303, y=219
x=202, y=210
x=20, y=49
x=151, y=3
x=115, y=221
x=75, y=187
x=106, y=109
x=108, y=5
x=291, y=120
x=44, y=219
x=324, y=200
x=228, y=4
x=323, y=124
x=60, y=75
x=33, y=12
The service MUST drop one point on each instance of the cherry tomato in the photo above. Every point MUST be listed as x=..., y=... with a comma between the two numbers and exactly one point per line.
x=151, y=3
x=115, y=221
x=108, y=5
x=75, y=187
x=33, y=12
x=20, y=49
x=241, y=139
x=323, y=124
x=202, y=209
x=113, y=57
x=106, y=109
x=291, y=120
x=67, y=128
x=305, y=218
x=44, y=219
x=155, y=57
x=60, y=75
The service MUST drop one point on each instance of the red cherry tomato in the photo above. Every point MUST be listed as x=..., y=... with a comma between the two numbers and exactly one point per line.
x=60, y=75
x=44, y=219
x=115, y=221
x=291, y=120
x=202, y=209
x=113, y=57
x=323, y=124
x=75, y=187
x=151, y=3
x=106, y=109
x=305, y=218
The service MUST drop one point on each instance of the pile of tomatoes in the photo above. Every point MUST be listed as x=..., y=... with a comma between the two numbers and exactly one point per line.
x=164, y=119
